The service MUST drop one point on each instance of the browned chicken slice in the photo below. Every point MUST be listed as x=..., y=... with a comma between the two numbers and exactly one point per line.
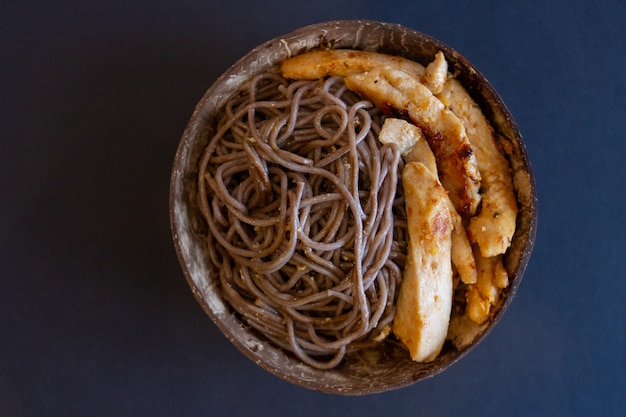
x=480, y=297
x=425, y=297
x=493, y=227
x=343, y=62
x=462, y=254
x=398, y=94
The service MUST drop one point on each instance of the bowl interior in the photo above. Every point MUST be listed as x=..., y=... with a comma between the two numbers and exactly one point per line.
x=369, y=371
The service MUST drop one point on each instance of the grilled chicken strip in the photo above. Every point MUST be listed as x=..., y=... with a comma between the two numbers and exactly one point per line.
x=425, y=297
x=480, y=297
x=400, y=95
x=318, y=64
x=493, y=227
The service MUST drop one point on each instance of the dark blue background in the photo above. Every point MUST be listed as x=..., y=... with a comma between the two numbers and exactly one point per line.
x=95, y=315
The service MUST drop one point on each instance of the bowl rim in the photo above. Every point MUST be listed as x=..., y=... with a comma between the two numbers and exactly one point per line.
x=180, y=223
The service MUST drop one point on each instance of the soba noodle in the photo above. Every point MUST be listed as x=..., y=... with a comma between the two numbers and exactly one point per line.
x=306, y=222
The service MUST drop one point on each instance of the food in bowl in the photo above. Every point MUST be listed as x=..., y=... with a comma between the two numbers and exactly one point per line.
x=325, y=239
x=352, y=204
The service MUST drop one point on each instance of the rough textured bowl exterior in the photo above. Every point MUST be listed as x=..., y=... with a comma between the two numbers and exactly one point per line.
x=369, y=372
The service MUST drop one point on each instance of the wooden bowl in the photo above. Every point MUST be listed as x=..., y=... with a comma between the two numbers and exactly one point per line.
x=369, y=372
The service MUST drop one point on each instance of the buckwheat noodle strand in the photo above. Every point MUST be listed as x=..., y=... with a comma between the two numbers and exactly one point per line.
x=305, y=217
